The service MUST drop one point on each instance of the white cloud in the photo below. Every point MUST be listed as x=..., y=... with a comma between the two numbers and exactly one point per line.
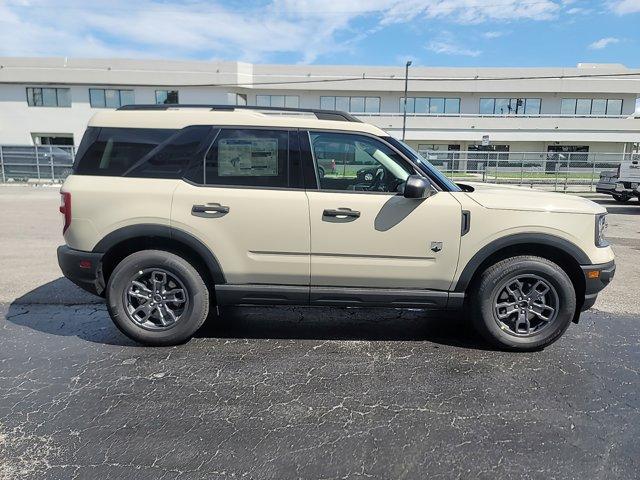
x=622, y=7
x=249, y=31
x=448, y=47
x=494, y=34
x=603, y=43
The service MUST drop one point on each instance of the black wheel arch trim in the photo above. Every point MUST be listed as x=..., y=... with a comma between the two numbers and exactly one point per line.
x=517, y=239
x=165, y=232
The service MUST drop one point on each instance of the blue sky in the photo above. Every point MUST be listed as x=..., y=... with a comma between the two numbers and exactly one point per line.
x=370, y=32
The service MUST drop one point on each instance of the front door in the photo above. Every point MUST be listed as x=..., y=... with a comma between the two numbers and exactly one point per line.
x=364, y=233
x=248, y=209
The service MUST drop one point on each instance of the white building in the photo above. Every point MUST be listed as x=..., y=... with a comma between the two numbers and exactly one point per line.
x=589, y=108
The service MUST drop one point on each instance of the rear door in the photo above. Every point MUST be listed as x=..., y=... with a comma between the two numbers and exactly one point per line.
x=364, y=233
x=247, y=205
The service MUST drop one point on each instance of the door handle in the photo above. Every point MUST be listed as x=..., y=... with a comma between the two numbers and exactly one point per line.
x=210, y=210
x=341, y=212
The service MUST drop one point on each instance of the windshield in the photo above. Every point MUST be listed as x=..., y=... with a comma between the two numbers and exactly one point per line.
x=425, y=165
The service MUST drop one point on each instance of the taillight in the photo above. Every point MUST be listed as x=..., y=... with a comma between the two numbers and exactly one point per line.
x=65, y=209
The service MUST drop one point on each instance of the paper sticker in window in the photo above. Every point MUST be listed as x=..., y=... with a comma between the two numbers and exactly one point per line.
x=248, y=157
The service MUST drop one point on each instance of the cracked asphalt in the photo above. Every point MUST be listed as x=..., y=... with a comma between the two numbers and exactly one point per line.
x=309, y=393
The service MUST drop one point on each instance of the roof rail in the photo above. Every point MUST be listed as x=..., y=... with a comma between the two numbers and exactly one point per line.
x=320, y=114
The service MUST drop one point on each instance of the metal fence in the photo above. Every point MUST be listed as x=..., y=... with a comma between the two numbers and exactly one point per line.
x=47, y=163
x=553, y=170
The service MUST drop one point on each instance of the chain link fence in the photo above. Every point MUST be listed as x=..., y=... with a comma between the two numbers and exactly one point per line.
x=560, y=171
x=551, y=170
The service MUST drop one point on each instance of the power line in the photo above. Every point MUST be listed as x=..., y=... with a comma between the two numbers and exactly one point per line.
x=364, y=77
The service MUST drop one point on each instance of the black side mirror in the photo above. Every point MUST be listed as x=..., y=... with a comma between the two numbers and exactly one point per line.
x=417, y=187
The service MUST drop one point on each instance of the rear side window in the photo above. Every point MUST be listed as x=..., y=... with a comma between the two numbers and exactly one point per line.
x=170, y=158
x=248, y=157
x=114, y=151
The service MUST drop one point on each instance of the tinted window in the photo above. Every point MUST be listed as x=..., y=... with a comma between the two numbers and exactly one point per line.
x=356, y=162
x=171, y=157
x=113, y=151
x=248, y=157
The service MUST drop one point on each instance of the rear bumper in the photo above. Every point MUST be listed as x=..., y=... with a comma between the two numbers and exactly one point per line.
x=595, y=284
x=82, y=268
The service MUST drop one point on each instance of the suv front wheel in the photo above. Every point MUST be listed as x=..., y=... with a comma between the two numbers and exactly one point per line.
x=523, y=303
x=157, y=298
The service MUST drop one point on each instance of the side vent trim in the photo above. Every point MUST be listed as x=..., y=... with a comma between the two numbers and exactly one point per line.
x=466, y=222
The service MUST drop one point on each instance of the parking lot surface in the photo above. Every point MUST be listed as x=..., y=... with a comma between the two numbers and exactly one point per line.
x=284, y=393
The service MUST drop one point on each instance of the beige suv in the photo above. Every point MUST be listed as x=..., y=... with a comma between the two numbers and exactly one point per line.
x=174, y=209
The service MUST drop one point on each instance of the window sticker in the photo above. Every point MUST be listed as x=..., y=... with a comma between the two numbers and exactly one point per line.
x=248, y=157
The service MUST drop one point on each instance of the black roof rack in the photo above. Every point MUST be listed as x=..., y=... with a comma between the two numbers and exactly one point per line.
x=320, y=114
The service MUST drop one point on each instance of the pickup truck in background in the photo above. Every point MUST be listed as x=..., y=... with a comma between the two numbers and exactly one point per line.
x=628, y=183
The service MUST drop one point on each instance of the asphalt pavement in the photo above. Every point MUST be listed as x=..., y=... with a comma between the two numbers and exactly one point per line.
x=283, y=393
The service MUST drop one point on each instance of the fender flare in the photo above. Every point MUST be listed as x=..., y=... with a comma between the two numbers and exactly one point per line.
x=545, y=239
x=165, y=232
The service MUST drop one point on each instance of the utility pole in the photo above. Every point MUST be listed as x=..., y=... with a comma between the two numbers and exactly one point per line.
x=406, y=84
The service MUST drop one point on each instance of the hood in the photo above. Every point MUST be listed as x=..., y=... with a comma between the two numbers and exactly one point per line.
x=507, y=197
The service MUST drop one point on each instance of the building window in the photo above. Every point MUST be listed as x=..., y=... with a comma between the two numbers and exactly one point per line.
x=510, y=106
x=108, y=98
x=431, y=105
x=241, y=99
x=166, y=97
x=614, y=107
x=48, y=97
x=351, y=104
x=279, y=101
x=591, y=106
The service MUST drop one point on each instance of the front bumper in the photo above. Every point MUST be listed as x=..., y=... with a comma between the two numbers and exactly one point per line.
x=82, y=268
x=595, y=282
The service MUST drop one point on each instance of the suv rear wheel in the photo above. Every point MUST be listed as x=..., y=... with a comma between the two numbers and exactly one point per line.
x=157, y=298
x=523, y=303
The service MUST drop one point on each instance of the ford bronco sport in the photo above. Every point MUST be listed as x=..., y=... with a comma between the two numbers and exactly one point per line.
x=172, y=210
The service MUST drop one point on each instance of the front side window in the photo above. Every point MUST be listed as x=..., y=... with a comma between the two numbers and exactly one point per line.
x=248, y=157
x=166, y=97
x=48, y=97
x=357, y=163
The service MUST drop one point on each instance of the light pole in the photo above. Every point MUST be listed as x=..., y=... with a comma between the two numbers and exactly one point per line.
x=406, y=84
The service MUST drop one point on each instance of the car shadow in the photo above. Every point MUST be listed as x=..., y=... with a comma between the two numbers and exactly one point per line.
x=62, y=309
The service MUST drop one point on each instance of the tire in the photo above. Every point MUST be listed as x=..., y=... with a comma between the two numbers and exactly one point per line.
x=621, y=198
x=496, y=286
x=321, y=172
x=169, y=322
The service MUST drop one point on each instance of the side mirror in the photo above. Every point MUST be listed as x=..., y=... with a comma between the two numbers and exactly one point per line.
x=417, y=187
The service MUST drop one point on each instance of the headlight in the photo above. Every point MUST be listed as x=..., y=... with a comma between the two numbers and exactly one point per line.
x=601, y=227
